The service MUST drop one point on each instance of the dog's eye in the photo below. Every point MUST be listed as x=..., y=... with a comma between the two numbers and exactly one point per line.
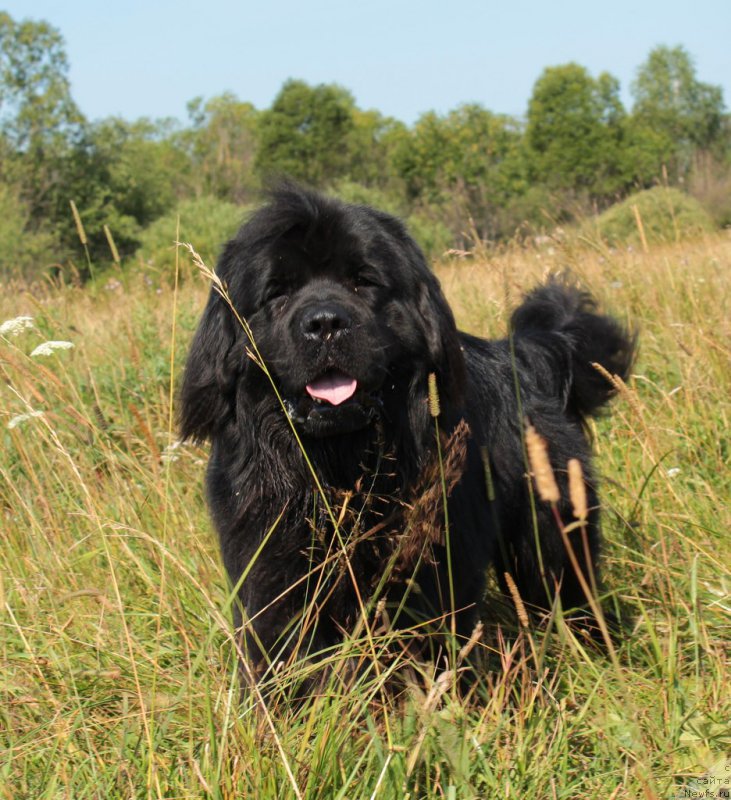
x=275, y=296
x=366, y=279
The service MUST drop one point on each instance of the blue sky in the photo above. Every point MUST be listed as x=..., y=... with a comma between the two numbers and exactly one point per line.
x=402, y=57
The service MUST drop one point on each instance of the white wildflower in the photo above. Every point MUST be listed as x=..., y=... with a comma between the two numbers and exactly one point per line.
x=673, y=471
x=16, y=326
x=20, y=418
x=168, y=454
x=47, y=348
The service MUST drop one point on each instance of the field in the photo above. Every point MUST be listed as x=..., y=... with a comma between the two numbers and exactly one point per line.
x=116, y=666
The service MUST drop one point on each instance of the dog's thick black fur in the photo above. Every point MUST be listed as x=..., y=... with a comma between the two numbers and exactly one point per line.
x=348, y=323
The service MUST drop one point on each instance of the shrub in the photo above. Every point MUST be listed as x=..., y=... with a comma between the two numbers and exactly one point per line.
x=667, y=215
x=24, y=253
x=205, y=222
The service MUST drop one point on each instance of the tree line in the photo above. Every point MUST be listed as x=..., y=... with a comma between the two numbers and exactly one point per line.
x=467, y=173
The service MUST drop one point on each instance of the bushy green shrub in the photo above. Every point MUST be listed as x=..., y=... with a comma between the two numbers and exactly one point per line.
x=667, y=215
x=205, y=222
x=24, y=253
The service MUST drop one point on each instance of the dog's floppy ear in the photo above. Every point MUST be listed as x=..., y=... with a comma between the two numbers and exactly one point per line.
x=215, y=360
x=442, y=340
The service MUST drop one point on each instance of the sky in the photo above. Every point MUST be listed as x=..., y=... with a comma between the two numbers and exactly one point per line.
x=135, y=58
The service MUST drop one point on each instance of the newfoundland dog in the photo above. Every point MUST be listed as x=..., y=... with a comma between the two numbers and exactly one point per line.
x=367, y=458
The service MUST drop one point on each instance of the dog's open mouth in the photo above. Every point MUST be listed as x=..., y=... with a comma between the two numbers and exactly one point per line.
x=333, y=403
x=334, y=387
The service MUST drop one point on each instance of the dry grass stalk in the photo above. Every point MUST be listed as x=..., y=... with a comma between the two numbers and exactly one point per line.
x=640, y=228
x=444, y=682
x=541, y=466
x=620, y=386
x=437, y=690
x=471, y=643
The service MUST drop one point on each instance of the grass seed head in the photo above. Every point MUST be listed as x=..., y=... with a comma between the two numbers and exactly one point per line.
x=577, y=489
x=79, y=224
x=112, y=245
x=541, y=466
x=517, y=600
x=434, y=406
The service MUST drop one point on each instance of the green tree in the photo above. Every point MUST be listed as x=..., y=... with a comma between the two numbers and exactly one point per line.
x=372, y=143
x=644, y=154
x=123, y=175
x=222, y=143
x=575, y=131
x=467, y=163
x=306, y=133
x=38, y=117
x=670, y=100
x=35, y=96
x=26, y=255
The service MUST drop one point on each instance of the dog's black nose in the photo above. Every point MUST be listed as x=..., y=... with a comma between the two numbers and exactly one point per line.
x=324, y=321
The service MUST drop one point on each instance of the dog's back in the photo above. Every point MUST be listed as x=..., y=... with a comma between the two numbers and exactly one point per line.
x=555, y=369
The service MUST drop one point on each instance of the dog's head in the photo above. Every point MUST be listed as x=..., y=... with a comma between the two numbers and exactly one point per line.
x=342, y=310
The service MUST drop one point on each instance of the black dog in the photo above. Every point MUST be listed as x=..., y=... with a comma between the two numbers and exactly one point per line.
x=333, y=480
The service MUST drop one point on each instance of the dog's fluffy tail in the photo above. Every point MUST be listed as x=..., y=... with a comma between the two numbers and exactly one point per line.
x=563, y=321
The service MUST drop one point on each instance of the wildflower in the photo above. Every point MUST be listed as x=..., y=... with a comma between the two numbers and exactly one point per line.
x=673, y=471
x=168, y=455
x=16, y=326
x=47, y=348
x=20, y=418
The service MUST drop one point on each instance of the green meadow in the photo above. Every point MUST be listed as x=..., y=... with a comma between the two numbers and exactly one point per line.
x=117, y=668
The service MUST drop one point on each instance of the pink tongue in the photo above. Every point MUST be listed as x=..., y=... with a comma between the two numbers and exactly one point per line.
x=335, y=388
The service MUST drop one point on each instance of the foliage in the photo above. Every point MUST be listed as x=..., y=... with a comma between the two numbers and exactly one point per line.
x=23, y=253
x=670, y=100
x=123, y=175
x=39, y=121
x=371, y=145
x=458, y=177
x=206, y=223
x=304, y=135
x=665, y=215
x=222, y=143
x=35, y=95
x=466, y=163
x=574, y=131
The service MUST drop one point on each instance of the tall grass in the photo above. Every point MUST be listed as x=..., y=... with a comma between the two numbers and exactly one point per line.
x=118, y=671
